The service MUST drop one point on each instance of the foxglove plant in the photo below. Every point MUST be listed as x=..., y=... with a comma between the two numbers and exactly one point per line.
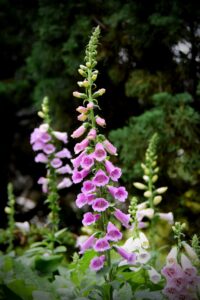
x=151, y=193
x=94, y=169
x=46, y=143
x=182, y=279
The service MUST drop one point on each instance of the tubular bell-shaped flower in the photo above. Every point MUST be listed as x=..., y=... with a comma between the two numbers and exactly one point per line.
x=100, y=188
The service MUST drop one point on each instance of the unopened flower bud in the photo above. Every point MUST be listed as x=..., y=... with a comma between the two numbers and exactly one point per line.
x=82, y=117
x=154, y=163
x=140, y=185
x=82, y=73
x=90, y=105
x=190, y=252
x=85, y=83
x=148, y=194
x=99, y=93
x=88, y=64
x=154, y=178
x=7, y=210
x=79, y=95
x=80, y=83
x=157, y=200
x=83, y=67
x=94, y=77
x=156, y=170
x=41, y=114
x=162, y=190
x=146, y=178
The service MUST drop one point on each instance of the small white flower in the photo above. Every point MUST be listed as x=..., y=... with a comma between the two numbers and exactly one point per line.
x=154, y=276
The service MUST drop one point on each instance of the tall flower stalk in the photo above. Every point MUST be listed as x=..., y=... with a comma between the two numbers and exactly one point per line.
x=153, y=194
x=10, y=210
x=46, y=142
x=93, y=168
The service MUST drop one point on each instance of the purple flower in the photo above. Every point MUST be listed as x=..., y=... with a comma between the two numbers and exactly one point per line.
x=56, y=163
x=113, y=233
x=81, y=146
x=100, y=121
x=100, y=204
x=88, y=187
x=114, y=172
x=78, y=176
x=44, y=182
x=64, y=153
x=81, y=200
x=42, y=158
x=100, y=178
x=87, y=161
x=87, y=244
x=130, y=257
x=90, y=198
x=65, y=169
x=78, y=132
x=38, y=146
x=118, y=193
x=99, y=152
x=49, y=148
x=61, y=136
x=101, y=245
x=77, y=161
x=92, y=134
x=123, y=218
x=109, y=147
x=66, y=182
x=97, y=263
x=172, y=270
x=45, y=137
x=89, y=218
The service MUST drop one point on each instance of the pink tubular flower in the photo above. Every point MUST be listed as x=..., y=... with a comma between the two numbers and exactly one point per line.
x=97, y=263
x=87, y=161
x=100, y=178
x=81, y=200
x=44, y=182
x=61, y=136
x=77, y=176
x=130, y=257
x=64, y=153
x=66, y=182
x=78, y=132
x=101, y=245
x=171, y=271
x=110, y=148
x=87, y=244
x=49, y=148
x=113, y=233
x=45, y=137
x=88, y=187
x=120, y=194
x=56, y=163
x=65, y=169
x=92, y=134
x=100, y=121
x=123, y=218
x=77, y=161
x=114, y=172
x=81, y=146
x=100, y=204
x=90, y=198
x=99, y=152
x=38, y=146
x=41, y=158
x=89, y=219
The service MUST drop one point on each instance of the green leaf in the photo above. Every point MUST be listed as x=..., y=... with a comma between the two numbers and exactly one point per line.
x=125, y=292
x=19, y=287
x=60, y=249
x=41, y=295
x=46, y=264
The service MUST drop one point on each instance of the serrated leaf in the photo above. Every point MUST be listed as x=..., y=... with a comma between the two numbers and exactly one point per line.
x=125, y=292
x=41, y=295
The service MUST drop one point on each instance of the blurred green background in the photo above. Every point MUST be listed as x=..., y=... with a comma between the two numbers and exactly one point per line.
x=149, y=63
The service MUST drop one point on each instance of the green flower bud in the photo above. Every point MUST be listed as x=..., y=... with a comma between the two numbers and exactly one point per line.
x=154, y=178
x=157, y=200
x=7, y=210
x=162, y=190
x=41, y=114
x=146, y=178
x=147, y=194
x=140, y=186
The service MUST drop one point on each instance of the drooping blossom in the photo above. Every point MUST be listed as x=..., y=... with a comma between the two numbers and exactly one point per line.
x=97, y=263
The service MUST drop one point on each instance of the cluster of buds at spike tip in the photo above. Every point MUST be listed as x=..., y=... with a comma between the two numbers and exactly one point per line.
x=93, y=168
x=150, y=177
x=182, y=279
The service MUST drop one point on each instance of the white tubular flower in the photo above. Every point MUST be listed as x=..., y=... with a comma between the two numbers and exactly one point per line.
x=167, y=217
x=172, y=256
x=154, y=276
x=190, y=252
